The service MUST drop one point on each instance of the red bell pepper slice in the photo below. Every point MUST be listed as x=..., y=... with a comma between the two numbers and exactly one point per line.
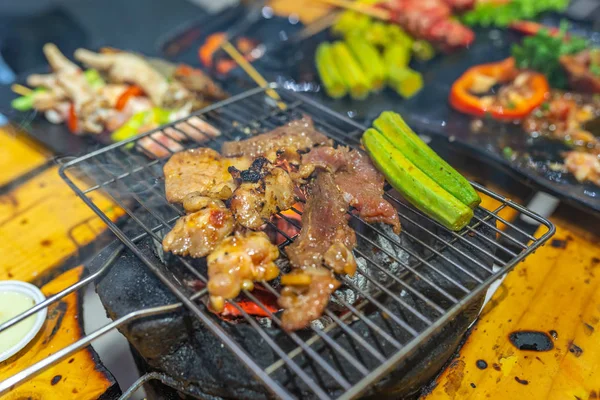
x=131, y=91
x=72, y=122
x=463, y=100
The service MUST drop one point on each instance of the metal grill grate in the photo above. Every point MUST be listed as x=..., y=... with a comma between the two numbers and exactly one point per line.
x=407, y=287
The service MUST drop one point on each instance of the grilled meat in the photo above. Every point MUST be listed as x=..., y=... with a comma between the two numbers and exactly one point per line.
x=324, y=223
x=358, y=179
x=460, y=5
x=325, y=239
x=564, y=117
x=201, y=171
x=237, y=262
x=581, y=77
x=585, y=166
x=68, y=83
x=306, y=301
x=430, y=20
x=264, y=190
x=297, y=135
x=198, y=234
x=131, y=68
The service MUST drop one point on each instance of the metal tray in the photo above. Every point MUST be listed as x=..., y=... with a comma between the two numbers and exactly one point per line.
x=429, y=113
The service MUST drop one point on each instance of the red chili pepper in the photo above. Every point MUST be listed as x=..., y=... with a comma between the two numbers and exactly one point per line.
x=463, y=100
x=131, y=91
x=72, y=122
x=530, y=28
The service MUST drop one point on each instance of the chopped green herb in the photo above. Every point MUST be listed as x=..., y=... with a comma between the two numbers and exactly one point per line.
x=490, y=14
x=545, y=106
x=508, y=153
x=542, y=52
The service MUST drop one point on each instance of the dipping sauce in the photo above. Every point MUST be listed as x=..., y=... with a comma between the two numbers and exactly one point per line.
x=11, y=305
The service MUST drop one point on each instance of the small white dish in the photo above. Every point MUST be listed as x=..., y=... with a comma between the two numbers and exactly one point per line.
x=31, y=291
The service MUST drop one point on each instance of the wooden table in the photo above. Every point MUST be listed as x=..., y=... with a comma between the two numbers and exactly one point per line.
x=43, y=224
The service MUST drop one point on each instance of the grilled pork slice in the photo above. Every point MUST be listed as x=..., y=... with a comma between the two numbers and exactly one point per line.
x=202, y=171
x=237, y=262
x=306, y=299
x=264, y=190
x=358, y=179
x=585, y=166
x=198, y=234
x=297, y=135
x=325, y=239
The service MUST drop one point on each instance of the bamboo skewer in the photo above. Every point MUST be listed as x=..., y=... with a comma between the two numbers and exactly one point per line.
x=378, y=13
x=20, y=89
x=252, y=72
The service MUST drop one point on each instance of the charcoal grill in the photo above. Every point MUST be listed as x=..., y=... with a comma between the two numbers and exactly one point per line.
x=418, y=281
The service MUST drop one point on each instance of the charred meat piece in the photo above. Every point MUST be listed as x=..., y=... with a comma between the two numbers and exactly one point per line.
x=581, y=77
x=324, y=223
x=305, y=296
x=197, y=234
x=358, y=179
x=202, y=171
x=324, y=240
x=264, y=190
x=585, y=166
x=567, y=117
x=298, y=135
x=237, y=262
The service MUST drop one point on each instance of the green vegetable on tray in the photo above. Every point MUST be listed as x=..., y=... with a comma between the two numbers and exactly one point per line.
x=25, y=103
x=330, y=76
x=542, y=51
x=350, y=70
x=369, y=59
x=94, y=79
x=397, y=131
x=156, y=116
x=423, y=50
x=412, y=183
x=493, y=14
x=405, y=81
x=396, y=55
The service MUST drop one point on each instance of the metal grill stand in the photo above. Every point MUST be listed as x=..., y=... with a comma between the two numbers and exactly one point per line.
x=417, y=283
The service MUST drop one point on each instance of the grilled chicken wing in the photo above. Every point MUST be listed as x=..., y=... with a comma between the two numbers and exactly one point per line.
x=67, y=82
x=131, y=68
x=237, y=262
x=264, y=190
x=201, y=170
x=197, y=234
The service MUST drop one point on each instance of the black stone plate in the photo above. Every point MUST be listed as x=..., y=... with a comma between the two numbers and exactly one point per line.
x=428, y=112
